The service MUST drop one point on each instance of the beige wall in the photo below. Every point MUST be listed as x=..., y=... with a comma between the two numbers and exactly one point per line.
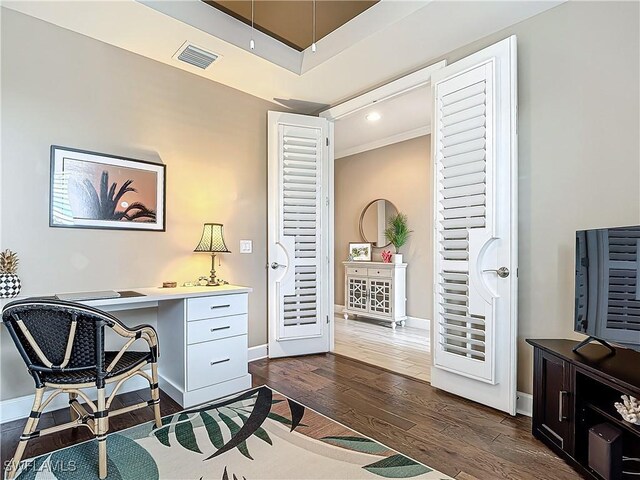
x=579, y=156
x=578, y=67
x=60, y=87
x=400, y=173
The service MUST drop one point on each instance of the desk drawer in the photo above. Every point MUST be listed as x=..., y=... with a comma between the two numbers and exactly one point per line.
x=216, y=328
x=216, y=306
x=380, y=272
x=213, y=362
x=356, y=271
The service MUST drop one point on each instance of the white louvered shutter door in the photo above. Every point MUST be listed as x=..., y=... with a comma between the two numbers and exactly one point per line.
x=465, y=221
x=297, y=225
x=475, y=207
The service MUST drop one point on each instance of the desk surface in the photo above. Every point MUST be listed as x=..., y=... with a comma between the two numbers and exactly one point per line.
x=155, y=294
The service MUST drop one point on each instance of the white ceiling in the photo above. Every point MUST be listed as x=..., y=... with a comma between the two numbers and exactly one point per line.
x=353, y=59
x=402, y=117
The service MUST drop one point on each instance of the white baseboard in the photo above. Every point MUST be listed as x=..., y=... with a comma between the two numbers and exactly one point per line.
x=413, y=322
x=524, y=404
x=421, y=323
x=20, y=407
x=258, y=352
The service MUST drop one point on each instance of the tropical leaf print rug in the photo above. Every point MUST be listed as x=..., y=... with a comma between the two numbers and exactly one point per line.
x=259, y=434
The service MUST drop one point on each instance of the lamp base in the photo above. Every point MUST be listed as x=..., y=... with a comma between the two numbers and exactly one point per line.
x=215, y=283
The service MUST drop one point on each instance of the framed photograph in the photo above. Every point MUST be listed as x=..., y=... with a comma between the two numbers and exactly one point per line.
x=360, y=252
x=96, y=190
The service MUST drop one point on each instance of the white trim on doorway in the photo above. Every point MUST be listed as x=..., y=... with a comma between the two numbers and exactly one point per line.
x=400, y=86
x=385, y=92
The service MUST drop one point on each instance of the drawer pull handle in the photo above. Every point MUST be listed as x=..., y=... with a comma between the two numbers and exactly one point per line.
x=219, y=306
x=219, y=361
x=220, y=328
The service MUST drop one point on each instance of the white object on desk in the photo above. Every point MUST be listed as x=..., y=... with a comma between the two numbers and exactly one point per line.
x=203, y=339
x=85, y=296
x=376, y=290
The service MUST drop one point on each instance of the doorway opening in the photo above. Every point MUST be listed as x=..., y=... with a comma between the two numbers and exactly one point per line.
x=382, y=176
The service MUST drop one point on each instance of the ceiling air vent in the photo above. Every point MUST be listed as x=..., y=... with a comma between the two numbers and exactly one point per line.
x=195, y=56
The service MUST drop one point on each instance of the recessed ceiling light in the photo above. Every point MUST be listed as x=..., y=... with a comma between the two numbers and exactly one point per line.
x=373, y=116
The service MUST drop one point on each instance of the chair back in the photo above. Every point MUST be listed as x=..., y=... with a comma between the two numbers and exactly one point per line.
x=55, y=335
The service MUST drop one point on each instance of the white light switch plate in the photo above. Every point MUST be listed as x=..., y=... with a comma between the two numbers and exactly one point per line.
x=246, y=246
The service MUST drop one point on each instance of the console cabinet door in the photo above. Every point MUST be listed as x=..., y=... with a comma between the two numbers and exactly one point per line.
x=553, y=405
x=381, y=296
x=357, y=293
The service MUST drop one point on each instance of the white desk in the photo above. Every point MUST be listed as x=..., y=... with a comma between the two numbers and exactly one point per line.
x=203, y=338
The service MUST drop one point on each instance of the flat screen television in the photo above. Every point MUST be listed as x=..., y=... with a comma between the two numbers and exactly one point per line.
x=607, y=288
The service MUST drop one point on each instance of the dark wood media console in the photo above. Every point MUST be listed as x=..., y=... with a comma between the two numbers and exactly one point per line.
x=574, y=391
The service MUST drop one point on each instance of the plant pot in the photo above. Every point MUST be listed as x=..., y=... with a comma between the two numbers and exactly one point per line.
x=397, y=258
x=9, y=285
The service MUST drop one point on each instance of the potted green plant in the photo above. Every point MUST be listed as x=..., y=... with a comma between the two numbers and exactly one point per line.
x=397, y=233
x=9, y=281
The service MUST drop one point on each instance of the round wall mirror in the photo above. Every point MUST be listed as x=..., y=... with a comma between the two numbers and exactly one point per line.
x=374, y=220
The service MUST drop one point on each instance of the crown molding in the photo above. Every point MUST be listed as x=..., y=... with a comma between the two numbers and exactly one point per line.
x=383, y=142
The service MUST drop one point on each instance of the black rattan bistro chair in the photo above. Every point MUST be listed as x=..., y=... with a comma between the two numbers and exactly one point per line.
x=62, y=344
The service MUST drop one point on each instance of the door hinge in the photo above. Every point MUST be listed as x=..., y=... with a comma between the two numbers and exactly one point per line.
x=327, y=201
x=327, y=141
x=327, y=318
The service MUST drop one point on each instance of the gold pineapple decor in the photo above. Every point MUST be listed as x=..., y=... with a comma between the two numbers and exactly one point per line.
x=9, y=262
x=9, y=281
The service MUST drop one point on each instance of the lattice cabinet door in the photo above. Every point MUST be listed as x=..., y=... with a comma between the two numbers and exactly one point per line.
x=380, y=296
x=357, y=294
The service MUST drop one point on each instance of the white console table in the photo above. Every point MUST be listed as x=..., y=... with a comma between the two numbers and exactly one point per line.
x=203, y=338
x=375, y=290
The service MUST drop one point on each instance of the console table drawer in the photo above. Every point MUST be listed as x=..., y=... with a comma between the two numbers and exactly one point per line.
x=356, y=271
x=380, y=272
x=213, y=362
x=216, y=306
x=200, y=331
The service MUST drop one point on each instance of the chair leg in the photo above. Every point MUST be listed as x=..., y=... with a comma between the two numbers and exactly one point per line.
x=72, y=413
x=29, y=428
x=101, y=434
x=155, y=394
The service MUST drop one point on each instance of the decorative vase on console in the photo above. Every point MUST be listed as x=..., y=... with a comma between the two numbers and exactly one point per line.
x=397, y=233
x=9, y=280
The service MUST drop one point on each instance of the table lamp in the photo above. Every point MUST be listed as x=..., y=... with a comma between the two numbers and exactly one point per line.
x=212, y=241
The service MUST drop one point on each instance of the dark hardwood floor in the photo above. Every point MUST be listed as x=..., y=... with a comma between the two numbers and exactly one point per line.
x=460, y=438
x=455, y=436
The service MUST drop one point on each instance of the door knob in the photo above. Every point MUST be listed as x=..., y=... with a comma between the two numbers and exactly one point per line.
x=276, y=265
x=503, y=272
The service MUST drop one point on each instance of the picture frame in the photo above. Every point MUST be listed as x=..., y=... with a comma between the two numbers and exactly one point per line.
x=360, y=251
x=102, y=191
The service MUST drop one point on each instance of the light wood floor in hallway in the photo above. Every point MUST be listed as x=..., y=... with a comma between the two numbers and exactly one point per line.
x=404, y=350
